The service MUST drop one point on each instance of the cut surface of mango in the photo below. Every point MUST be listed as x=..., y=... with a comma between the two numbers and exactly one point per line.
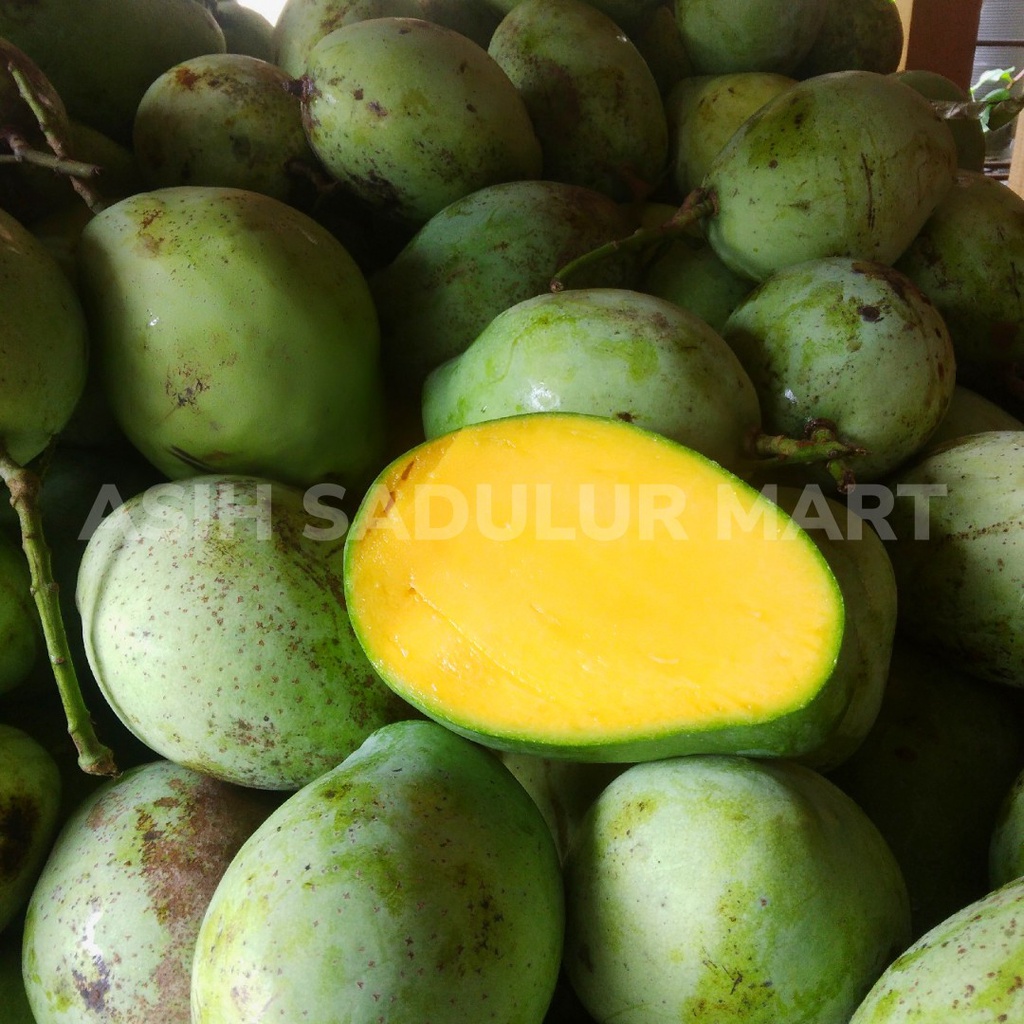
x=574, y=584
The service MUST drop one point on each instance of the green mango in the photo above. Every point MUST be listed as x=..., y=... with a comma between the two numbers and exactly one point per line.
x=654, y=32
x=856, y=35
x=728, y=889
x=223, y=119
x=931, y=773
x=245, y=30
x=410, y=115
x=214, y=625
x=852, y=342
x=723, y=36
x=101, y=55
x=43, y=343
x=416, y=881
x=593, y=99
x=685, y=270
x=971, y=413
x=860, y=563
x=968, y=132
x=480, y=255
x=1006, y=839
x=705, y=111
x=607, y=352
x=968, y=258
x=20, y=635
x=233, y=333
x=561, y=788
x=966, y=969
x=29, y=802
x=303, y=23
x=851, y=163
x=958, y=552
x=110, y=928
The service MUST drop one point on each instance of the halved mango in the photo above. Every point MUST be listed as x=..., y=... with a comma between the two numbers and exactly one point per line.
x=575, y=586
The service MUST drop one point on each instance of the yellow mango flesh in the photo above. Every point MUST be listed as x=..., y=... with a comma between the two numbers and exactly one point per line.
x=573, y=584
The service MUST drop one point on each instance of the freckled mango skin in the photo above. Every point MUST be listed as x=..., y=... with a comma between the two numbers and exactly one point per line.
x=232, y=333
x=112, y=921
x=968, y=968
x=415, y=883
x=850, y=163
x=959, y=560
x=214, y=624
x=720, y=889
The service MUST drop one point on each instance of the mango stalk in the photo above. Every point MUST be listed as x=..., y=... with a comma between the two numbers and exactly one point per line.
x=94, y=757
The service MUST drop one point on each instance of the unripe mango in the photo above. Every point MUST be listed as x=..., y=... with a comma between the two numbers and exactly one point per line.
x=415, y=882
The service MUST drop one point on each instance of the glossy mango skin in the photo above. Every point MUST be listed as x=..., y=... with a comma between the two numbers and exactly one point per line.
x=602, y=351
x=129, y=875
x=417, y=881
x=851, y=341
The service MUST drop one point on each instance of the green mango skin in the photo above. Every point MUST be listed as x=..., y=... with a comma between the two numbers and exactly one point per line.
x=931, y=774
x=110, y=929
x=411, y=116
x=687, y=271
x=43, y=343
x=971, y=413
x=605, y=352
x=303, y=23
x=655, y=34
x=722, y=889
x=851, y=163
x=101, y=55
x=233, y=334
x=245, y=30
x=856, y=35
x=29, y=802
x=592, y=98
x=705, y=111
x=222, y=119
x=851, y=341
x=959, y=559
x=723, y=36
x=562, y=789
x=426, y=877
x=479, y=256
x=214, y=625
x=968, y=133
x=860, y=563
x=968, y=258
x=967, y=969
x=20, y=635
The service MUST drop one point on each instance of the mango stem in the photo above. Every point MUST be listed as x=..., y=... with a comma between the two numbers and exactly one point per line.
x=698, y=205
x=24, y=485
x=55, y=140
x=820, y=444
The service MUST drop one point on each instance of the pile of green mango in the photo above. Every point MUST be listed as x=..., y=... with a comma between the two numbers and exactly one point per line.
x=255, y=278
